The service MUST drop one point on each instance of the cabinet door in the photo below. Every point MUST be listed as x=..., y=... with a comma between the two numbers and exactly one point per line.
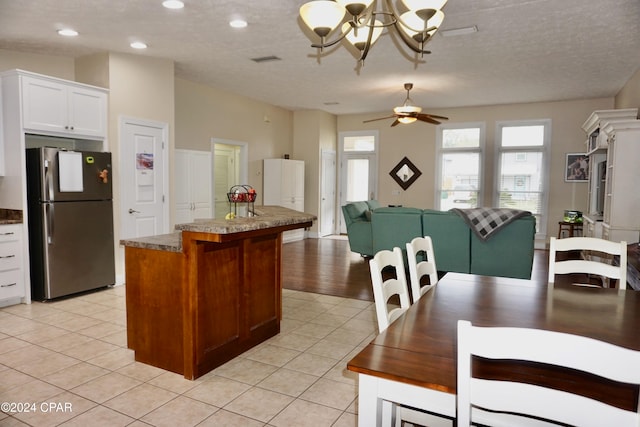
x=44, y=105
x=87, y=112
x=292, y=180
x=200, y=174
x=182, y=196
x=192, y=185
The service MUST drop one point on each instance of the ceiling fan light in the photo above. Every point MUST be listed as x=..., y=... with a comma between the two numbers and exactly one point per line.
x=406, y=120
x=358, y=36
x=322, y=16
x=355, y=8
x=407, y=109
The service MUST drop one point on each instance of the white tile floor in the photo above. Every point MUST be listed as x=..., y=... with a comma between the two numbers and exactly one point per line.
x=67, y=363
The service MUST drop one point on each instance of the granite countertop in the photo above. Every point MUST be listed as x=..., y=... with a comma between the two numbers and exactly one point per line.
x=265, y=217
x=10, y=216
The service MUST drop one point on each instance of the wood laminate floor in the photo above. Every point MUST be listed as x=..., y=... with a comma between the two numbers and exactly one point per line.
x=327, y=266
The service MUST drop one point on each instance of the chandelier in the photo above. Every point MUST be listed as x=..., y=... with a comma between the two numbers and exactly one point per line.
x=365, y=21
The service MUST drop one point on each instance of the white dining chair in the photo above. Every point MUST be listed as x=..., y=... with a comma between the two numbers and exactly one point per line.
x=421, y=247
x=533, y=402
x=385, y=286
x=592, y=263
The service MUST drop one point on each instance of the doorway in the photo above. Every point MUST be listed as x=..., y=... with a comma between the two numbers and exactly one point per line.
x=144, y=181
x=358, y=168
x=230, y=167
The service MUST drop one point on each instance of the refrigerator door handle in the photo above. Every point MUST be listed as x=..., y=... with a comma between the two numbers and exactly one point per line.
x=48, y=183
x=49, y=213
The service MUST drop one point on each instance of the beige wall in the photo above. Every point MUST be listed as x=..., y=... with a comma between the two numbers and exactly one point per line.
x=57, y=66
x=313, y=131
x=204, y=112
x=417, y=142
x=629, y=95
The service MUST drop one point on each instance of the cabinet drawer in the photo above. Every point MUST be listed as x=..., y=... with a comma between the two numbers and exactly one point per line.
x=11, y=284
x=10, y=233
x=10, y=255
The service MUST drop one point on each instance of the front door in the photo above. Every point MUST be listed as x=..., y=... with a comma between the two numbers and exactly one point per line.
x=358, y=168
x=144, y=175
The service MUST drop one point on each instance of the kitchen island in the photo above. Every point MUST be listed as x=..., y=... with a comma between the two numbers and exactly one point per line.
x=200, y=296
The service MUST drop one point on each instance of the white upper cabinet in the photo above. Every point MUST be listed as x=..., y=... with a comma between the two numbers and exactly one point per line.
x=63, y=108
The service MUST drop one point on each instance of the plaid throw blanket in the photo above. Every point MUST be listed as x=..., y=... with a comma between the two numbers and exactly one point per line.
x=486, y=222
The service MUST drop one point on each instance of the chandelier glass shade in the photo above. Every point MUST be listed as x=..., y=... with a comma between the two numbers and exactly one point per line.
x=361, y=22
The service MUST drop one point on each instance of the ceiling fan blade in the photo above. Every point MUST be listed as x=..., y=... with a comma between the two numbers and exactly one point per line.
x=427, y=118
x=395, y=122
x=438, y=117
x=381, y=118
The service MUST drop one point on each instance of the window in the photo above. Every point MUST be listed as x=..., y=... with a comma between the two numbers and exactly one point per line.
x=459, y=154
x=522, y=163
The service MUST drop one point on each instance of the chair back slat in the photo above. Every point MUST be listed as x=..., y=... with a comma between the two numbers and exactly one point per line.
x=590, y=263
x=477, y=396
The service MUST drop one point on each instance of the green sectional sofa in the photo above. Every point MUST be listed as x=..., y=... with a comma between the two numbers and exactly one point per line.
x=509, y=253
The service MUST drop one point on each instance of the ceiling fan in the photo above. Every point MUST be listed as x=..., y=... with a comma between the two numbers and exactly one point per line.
x=409, y=112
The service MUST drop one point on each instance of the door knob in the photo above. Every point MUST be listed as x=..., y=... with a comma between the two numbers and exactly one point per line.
x=131, y=211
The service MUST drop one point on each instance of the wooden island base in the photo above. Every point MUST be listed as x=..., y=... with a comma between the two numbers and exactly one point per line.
x=189, y=310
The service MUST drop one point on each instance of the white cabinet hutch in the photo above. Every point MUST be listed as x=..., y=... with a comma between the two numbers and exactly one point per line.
x=613, y=146
x=40, y=110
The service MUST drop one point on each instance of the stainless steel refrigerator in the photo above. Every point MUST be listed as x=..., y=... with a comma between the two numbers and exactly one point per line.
x=71, y=243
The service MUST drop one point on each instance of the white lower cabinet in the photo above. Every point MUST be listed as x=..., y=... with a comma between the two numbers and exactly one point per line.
x=12, y=285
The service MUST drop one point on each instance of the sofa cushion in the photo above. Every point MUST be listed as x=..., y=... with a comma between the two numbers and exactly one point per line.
x=393, y=227
x=373, y=204
x=508, y=253
x=399, y=211
x=451, y=239
x=355, y=210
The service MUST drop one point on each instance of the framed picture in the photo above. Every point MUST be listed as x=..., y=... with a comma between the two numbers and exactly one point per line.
x=576, y=168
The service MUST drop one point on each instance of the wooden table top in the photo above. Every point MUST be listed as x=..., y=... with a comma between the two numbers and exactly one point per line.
x=420, y=347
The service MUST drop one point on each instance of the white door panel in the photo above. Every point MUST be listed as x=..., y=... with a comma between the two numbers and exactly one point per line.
x=143, y=168
x=328, y=194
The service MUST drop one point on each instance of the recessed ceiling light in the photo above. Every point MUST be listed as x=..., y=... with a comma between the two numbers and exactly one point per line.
x=138, y=45
x=67, y=32
x=173, y=4
x=238, y=23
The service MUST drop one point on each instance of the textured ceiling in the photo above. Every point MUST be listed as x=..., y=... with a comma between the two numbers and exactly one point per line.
x=524, y=50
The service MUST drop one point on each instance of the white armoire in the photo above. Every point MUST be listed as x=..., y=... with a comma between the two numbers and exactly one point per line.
x=284, y=186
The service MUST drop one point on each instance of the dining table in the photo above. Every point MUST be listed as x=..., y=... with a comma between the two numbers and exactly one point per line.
x=413, y=362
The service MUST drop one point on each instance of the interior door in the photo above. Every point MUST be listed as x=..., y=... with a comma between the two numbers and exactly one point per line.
x=143, y=164
x=226, y=174
x=328, y=194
